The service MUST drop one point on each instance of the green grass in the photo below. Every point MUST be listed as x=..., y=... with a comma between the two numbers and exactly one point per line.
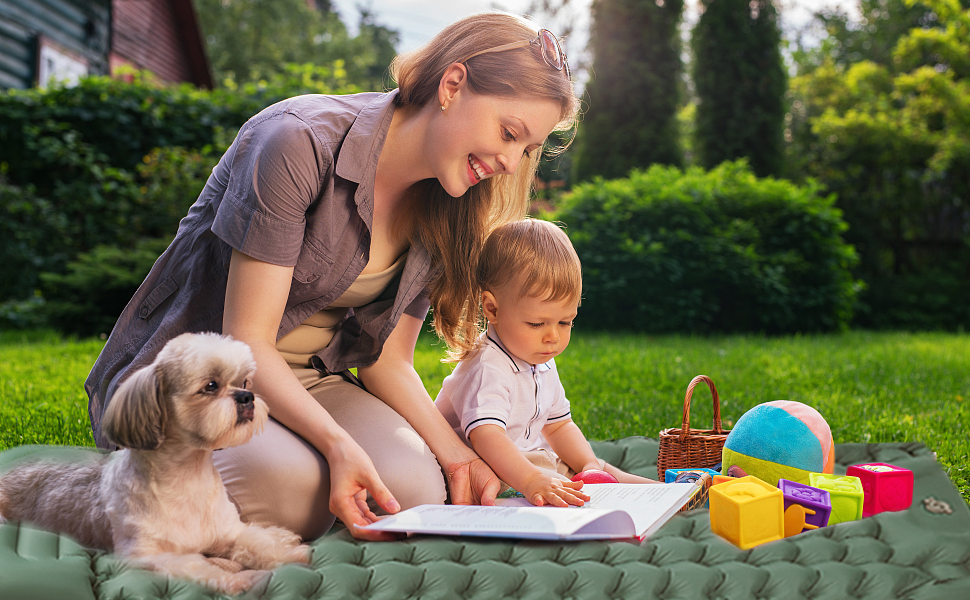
x=870, y=387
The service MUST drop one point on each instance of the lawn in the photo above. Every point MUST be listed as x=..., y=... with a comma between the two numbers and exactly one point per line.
x=870, y=387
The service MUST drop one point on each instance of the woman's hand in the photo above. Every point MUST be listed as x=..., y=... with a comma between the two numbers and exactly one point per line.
x=541, y=489
x=352, y=476
x=473, y=482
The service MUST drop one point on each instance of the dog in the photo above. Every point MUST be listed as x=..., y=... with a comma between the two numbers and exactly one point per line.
x=159, y=501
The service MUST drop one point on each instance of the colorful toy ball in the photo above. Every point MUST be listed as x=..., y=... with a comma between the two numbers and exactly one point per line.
x=779, y=440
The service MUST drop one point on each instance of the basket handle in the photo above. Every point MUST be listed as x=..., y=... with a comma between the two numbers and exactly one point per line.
x=717, y=406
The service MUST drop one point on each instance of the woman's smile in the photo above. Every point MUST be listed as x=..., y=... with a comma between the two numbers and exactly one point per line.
x=479, y=170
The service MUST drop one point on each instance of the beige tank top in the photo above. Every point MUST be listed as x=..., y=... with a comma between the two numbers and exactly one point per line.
x=314, y=334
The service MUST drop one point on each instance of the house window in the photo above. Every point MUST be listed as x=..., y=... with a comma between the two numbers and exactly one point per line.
x=56, y=64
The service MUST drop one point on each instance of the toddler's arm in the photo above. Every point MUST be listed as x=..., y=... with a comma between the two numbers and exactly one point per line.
x=498, y=451
x=570, y=445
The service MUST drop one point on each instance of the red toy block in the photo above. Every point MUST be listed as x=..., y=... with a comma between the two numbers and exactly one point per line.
x=886, y=487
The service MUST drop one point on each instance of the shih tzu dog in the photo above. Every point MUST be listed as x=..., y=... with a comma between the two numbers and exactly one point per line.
x=160, y=501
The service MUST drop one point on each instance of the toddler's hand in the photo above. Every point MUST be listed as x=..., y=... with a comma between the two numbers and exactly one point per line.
x=541, y=489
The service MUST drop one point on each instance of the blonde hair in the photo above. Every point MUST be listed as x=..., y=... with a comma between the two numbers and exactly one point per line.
x=454, y=229
x=534, y=256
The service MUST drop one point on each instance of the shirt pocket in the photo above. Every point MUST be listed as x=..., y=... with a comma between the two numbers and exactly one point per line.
x=158, y=295
x=311, y=264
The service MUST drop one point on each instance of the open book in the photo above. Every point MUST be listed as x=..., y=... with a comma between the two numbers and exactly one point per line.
x=615, y=511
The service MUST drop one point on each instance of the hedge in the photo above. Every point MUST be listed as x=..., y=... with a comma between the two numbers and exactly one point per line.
x=111, y=163
x=666, y=250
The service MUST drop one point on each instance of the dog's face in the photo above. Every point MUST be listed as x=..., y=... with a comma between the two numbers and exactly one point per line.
x=197, y=392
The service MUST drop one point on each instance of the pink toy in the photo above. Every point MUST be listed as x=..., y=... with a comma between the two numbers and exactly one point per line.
x=594, y=476
x=886, y=487
x=806, y=507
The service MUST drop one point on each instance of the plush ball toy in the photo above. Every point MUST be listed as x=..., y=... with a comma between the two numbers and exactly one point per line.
x=779, y=440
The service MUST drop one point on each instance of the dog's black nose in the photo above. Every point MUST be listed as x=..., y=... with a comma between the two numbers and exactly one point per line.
x=243, y=397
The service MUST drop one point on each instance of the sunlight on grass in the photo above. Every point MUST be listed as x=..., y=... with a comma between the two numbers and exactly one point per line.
x=870, y=387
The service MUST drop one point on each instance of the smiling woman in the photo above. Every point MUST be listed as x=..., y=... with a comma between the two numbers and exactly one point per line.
x=350, y=216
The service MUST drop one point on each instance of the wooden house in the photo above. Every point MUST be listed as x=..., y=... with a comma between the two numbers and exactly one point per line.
x=42, y=40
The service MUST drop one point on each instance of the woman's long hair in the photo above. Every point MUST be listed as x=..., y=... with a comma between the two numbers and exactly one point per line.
x=454, y=229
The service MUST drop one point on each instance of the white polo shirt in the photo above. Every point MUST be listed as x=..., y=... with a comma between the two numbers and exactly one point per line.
x=496, y=388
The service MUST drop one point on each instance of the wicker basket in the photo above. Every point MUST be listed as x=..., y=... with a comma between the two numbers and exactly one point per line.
x=683, y=447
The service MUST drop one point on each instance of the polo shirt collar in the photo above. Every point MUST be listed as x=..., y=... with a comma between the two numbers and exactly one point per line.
x=517, y=364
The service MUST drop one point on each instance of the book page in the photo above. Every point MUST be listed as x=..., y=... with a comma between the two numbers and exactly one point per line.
x=615, y=511
x=649, y=505
x=510, y=521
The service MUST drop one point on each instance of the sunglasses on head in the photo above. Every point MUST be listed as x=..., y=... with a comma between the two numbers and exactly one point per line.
x=548, y=45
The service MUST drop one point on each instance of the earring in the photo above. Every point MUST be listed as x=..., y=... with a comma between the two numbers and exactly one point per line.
x=442, y=108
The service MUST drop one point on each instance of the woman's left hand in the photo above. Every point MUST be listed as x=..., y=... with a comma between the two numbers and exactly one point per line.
x=473, y=482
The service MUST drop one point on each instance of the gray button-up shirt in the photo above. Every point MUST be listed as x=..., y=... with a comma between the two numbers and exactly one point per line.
x=296, y=188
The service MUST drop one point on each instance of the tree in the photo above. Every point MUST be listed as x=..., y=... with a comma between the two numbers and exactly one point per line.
x=250, y=40
x=633, y=95
x=872, y=37
x=740, y=83
x=893, y=141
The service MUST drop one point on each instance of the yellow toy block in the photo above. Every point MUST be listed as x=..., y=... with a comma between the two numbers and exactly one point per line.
x=845, y=493
x=747, y=511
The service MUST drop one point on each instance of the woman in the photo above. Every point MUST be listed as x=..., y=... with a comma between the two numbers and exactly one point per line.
x=321, y=238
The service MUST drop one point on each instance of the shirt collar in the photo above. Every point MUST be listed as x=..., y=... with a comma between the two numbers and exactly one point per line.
x=362, y=145
x=516, y=363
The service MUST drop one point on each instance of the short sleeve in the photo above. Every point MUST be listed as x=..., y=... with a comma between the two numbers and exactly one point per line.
x=275, y=176
x=419, y=306
x=485, y=398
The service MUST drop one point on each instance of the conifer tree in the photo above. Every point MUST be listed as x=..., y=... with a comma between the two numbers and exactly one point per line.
x=740, y=81
x=633, y=94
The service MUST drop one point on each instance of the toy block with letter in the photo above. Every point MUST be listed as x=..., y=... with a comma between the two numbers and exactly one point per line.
x=887, y=488
x=806, y=507
x=845, y=493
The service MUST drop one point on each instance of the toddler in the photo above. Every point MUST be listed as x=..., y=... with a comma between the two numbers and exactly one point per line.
x=504, y=397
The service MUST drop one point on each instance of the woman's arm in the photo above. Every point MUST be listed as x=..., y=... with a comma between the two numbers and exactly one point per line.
x=393, y=379
x=255, y=298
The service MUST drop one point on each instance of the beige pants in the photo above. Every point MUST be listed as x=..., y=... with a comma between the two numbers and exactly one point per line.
x=278, y=478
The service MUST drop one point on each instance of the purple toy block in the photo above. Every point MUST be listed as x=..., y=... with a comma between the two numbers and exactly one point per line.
x=816, y=501
x=886, y=487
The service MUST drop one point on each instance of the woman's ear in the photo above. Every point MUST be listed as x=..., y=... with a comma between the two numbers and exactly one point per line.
x=452, y=82
x=489, y=306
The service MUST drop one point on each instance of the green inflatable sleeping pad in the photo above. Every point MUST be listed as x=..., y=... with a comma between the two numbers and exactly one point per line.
x=914, y=554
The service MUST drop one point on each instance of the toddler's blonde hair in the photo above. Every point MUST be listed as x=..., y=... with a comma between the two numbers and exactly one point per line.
x=536, y=258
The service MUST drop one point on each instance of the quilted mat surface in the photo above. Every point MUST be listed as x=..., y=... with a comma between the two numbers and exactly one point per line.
x=917, y=554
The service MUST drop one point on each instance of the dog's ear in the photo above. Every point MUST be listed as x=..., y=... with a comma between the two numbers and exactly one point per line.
x=135, y=417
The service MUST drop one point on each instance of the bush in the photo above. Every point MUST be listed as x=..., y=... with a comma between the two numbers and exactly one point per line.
x=110, y=162
x=97, y=286
x=719, y=251
x=933, y=299
x=99, y=205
